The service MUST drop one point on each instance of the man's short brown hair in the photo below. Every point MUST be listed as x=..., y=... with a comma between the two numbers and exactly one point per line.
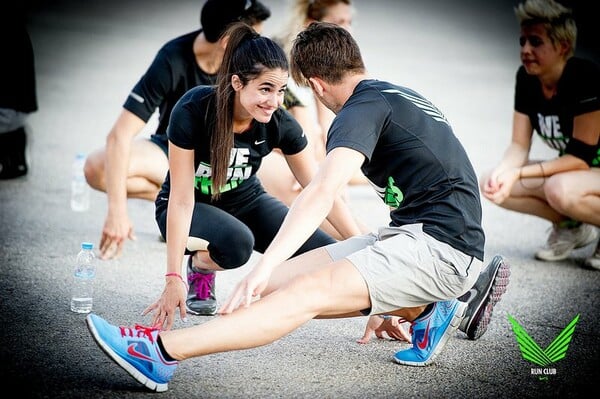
x=327, y=51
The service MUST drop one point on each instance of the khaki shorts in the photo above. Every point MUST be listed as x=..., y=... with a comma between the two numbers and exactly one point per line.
x=405, y=267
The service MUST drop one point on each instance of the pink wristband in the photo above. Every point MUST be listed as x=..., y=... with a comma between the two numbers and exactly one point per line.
x=173, y=274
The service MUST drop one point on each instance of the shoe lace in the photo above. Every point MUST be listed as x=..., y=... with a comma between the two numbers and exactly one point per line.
x=410, y=328
x=203, y=283
x=139, y=331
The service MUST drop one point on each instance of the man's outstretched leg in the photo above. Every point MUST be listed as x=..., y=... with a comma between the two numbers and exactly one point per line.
x=151, y=356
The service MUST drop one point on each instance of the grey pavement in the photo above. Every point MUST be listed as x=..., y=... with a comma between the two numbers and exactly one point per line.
x=461, y=54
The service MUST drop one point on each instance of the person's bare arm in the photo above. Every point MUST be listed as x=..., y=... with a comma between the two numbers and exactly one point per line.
x=179, y=216
x=306, y=213
x=340, y=216
x=117, y=225
x=517, y=152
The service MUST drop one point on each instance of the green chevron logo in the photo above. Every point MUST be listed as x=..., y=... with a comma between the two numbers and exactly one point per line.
x=532, y=352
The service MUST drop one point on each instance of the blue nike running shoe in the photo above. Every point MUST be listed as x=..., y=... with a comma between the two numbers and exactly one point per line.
x=134, y=349
x=431, y=332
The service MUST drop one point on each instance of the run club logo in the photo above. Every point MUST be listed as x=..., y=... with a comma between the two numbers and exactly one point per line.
x=543, y=358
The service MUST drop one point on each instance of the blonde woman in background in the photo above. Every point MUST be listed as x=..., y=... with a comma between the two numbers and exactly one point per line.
x=557, y=96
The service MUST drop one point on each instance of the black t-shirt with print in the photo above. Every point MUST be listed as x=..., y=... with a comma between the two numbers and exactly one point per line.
x=577, y=92
x=414, y=161
x=173, y=72
x=189, y=129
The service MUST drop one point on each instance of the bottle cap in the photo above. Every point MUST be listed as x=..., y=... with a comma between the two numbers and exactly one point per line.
x=87, y=245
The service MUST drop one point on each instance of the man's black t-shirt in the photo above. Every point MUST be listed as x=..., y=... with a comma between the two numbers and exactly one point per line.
x=414, y=161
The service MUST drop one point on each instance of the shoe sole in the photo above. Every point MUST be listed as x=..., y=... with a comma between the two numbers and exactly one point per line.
x=139, y=377
x=452, y=327
x=481, y=311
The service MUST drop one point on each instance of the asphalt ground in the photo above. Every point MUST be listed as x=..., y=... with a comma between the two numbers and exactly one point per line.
x=462, y=55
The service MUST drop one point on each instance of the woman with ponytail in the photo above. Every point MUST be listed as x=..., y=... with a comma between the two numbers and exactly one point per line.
x=212, y=206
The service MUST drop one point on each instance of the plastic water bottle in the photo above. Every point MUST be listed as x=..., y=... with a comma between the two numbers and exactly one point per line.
x=80, y=190
x=82, y=294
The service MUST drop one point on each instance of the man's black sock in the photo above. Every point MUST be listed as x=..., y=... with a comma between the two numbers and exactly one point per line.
x=427, y=310
x=163, y=351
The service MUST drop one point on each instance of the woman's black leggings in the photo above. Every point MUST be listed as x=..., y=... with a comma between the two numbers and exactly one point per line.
x=232, y=234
